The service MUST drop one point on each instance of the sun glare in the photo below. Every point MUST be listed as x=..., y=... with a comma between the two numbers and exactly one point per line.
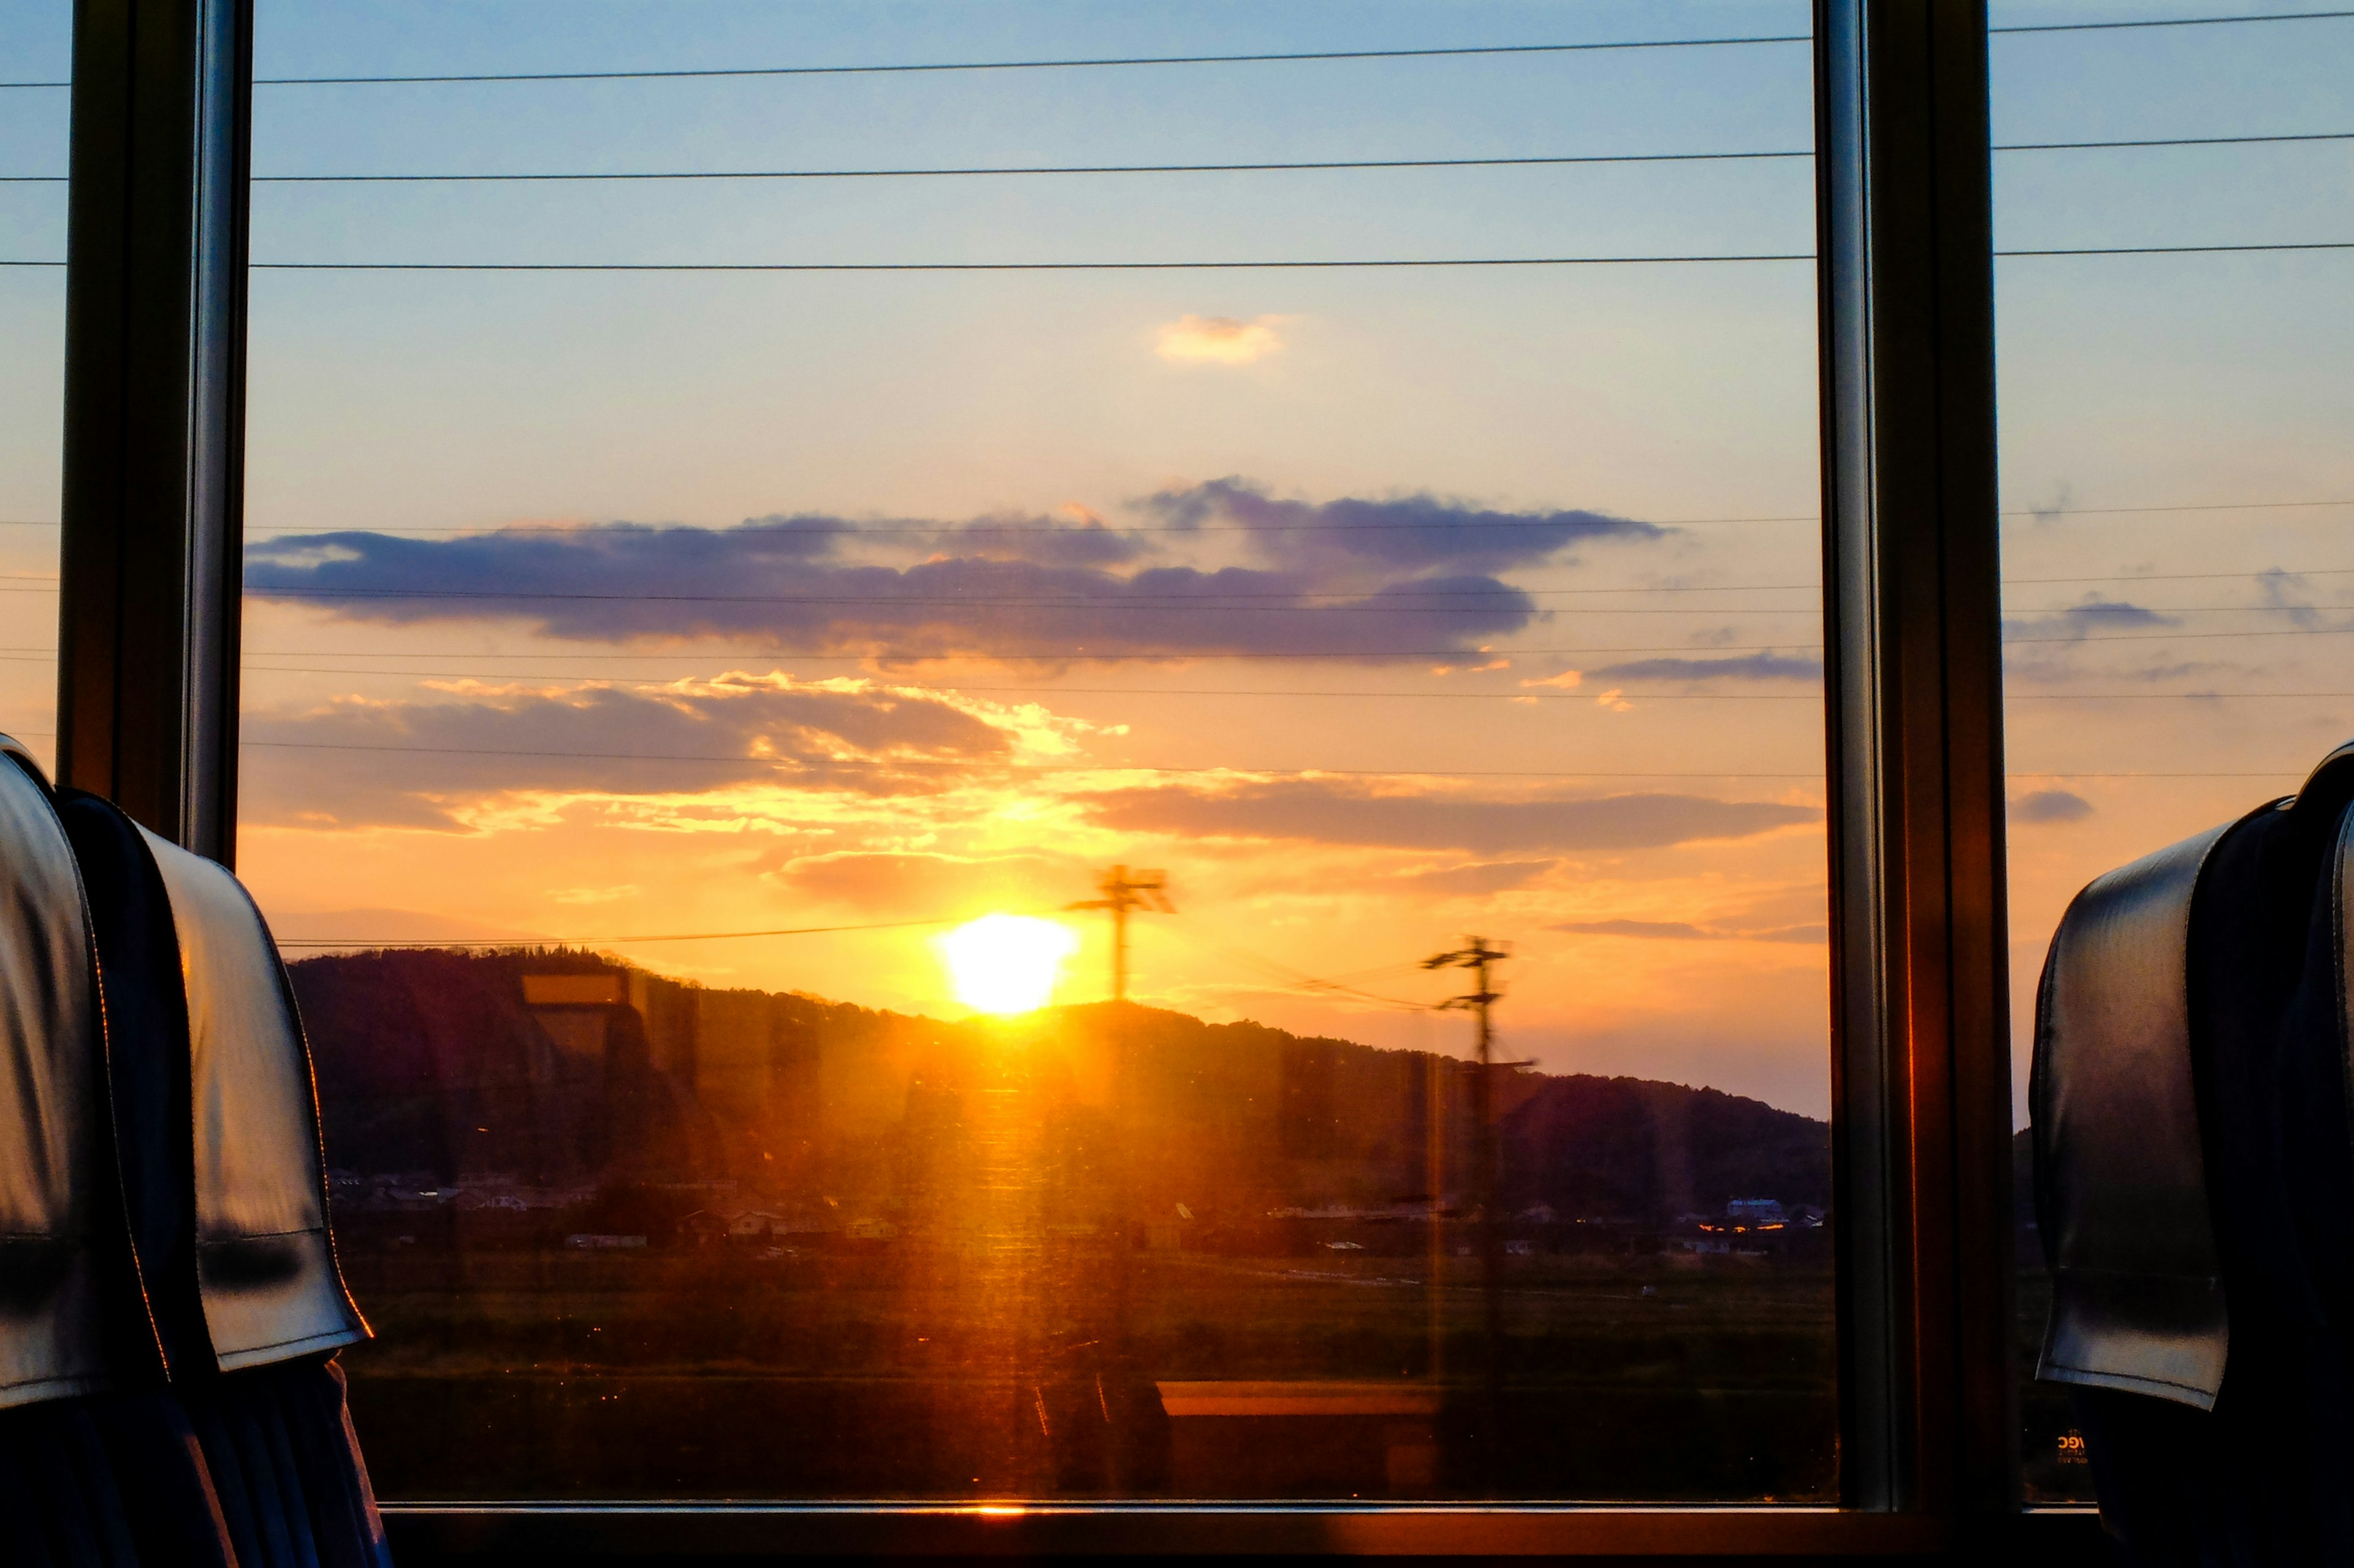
x=1006, y=963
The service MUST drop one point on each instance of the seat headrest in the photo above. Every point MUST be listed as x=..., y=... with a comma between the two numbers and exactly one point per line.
x=265, y=1262
x=2129, y=1020
x=2121, y=1184
x=60, y=1217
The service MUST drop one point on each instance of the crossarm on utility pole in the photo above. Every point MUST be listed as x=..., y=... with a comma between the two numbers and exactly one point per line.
x=1122, y=891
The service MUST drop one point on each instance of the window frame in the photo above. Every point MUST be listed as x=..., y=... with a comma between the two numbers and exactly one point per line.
x=1921, y=1126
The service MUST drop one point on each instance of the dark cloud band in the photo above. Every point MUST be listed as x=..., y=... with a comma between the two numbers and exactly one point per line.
x=1350, y=578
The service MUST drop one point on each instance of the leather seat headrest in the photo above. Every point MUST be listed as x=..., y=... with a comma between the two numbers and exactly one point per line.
x=61, y=1218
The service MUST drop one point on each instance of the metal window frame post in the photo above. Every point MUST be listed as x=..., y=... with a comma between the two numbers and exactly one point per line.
x=1920, y=1084
x=155, y=446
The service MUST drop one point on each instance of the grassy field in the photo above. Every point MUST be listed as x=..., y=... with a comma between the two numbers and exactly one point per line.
x=932, y=1372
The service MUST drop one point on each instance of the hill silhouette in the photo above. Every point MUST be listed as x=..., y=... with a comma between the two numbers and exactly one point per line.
x=569, y=1068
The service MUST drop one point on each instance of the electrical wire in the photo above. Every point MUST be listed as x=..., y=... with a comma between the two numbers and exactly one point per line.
x=2172, y=22
x=1637, y=588
x=587, y=941
x=2178, y=250
x=1268, y=58
x=1026, y=530
x=993, y=657
x=1109, y=605
x=932, y=529
x=1288, y=56
x=1333, y=264
x=1270, y=167
x=2295, y=772
x=1325, y=264
x=1300, y=981
x=978, y=171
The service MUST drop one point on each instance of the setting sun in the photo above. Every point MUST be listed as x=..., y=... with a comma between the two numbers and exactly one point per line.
x=1006, y=963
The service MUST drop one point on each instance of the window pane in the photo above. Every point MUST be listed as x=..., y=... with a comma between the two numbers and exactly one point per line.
x=2175, y=469
x=33, y=116
x=694, y=719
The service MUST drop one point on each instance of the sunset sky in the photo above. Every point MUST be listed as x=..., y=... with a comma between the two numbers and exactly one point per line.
x=1377, y=607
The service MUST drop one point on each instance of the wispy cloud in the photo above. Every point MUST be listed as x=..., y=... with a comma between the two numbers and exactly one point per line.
x=895, y=882
x=1220, y=340
x=1479, y=878
x=2086, y=620
x=2040, y=806
x=1684, y=931
x=424, y=763
x=1329, y=812
x=1749, y=667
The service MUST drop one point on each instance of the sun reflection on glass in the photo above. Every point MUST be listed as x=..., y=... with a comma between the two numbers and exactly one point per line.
x=1006, y=963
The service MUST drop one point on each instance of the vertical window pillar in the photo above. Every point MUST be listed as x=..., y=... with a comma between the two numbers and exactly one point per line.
x=1920, y=1084
x=155, y=411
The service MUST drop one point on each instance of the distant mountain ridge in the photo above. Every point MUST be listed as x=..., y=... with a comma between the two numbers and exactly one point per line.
x=566, y=1067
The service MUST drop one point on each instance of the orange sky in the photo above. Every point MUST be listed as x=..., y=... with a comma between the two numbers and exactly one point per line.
x=1620, y=773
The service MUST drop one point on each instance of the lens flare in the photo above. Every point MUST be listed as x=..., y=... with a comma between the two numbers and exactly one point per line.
x=1006, y=963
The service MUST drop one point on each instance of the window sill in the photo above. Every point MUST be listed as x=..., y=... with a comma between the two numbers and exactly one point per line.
x=425, y=1532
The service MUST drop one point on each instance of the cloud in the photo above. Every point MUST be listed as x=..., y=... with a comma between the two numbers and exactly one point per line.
x=1411, y=532
x=1751, y=667
x=896, y=882
x=2049, y=806
x=2278, y=587
x=1661, y=930
x=1219, y=340
x=1479, y=877
x=1350, y=578
x=1682, y=931
x=2094, y=616
x=1335, y=813
x=2053, y=510
x=596, y=894
x=1075, y=538
x=421, y=763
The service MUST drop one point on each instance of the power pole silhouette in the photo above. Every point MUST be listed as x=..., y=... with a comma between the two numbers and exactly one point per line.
x=1478, y=957
x=1122, y=891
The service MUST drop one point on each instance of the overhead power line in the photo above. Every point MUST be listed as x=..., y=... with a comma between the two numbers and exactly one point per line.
x=1700, y=656
x=969, y=171
x=2054, y=513
x=587, y=941
x=1627, y=588
x=1227, y=605
x=901, y=764
x=930, y=66
x=1270, y=57
x=2171, y=141
x=1330, y=264
x=1456, y=655
x=1268, y=166
x=2173, y=22
x=1325, y=264
x=2178, y=249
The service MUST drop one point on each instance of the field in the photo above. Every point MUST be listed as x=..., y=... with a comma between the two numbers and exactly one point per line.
x=899, y=1372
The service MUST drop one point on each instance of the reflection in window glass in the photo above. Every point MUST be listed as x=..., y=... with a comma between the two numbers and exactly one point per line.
x=33, y=120
x=2176, y=468
x=723, y=745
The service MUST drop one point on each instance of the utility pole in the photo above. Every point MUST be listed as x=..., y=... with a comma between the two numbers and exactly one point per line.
x=1478, y=957
x=1122, y=891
